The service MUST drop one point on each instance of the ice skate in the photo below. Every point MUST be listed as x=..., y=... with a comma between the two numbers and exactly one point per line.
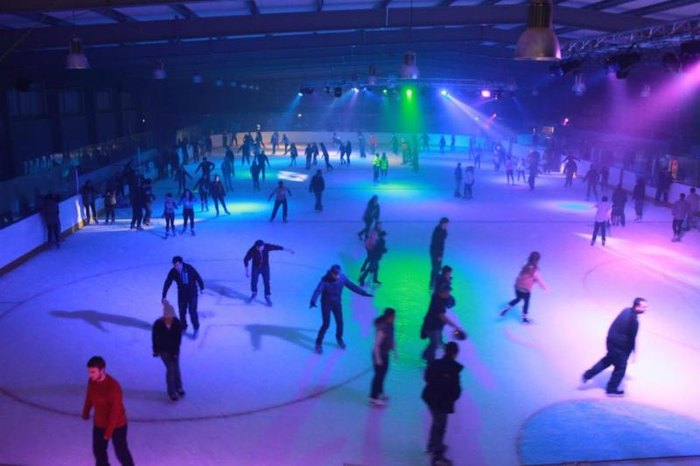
x=268, y=301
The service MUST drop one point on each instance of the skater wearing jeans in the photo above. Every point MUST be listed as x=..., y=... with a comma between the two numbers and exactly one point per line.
x=383, y=345
x=187, y=201
x=528, y=276
x=105, y=395
x=280, y=194
x=620, y=343
x=602, y=217
x=259, y=254
x=166, y=336
x=442, y=390
x=188, y=280
x=330, y=289
x=169, y=214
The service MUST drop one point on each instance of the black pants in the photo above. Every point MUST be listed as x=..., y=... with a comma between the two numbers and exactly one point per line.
x=109, y=212
x=54, y=234
x=185, y=303
x=169, y=221
x=136, y=215
x=265, y=272
x=599, y=227
x=379, y=376
x=468, y=190
x=279, y=203
x=594, y=188
x=639, y=207
x=148, y=212
x=436, y=265
x=90, y=207
x=525, y=296
x=187, y=214
x=319, y=205
x=337, y=310
x=436, y=442
x=172, y=373
x=531, y=182
x=677, y=226
x=121, y=448
x=616, y=357
x=371, y=267
x=218, y=199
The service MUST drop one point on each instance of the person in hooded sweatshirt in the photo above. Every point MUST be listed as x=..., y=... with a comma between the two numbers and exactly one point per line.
x=330, y=290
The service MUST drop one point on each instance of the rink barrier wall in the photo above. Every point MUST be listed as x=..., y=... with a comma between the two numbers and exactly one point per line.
x=25, y=239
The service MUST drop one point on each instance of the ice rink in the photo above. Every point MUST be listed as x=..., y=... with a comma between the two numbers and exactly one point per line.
x=257, y=394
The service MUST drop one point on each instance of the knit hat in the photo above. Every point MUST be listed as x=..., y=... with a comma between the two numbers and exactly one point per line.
x=168, y=309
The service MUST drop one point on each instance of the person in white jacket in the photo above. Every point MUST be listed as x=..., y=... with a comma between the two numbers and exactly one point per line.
x=602, y=217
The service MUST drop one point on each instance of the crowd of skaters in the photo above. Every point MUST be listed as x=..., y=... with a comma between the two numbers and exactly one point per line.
x=441, y=376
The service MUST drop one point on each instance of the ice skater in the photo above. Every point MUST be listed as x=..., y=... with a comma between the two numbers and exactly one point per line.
x=169, y=206
x=469, y=180
x=620, y=343
x=639, y=196
x=166, y=336
x=330, y=290
x=218, y=191
x=374, y=256
x=526, y=279
x=370, y=217
x=679, y=211
x=280, y=194
x=187, y=201
x=109, y=422
x=435, y=320
x=602, y=218
x=259, y=255
x=437, y=248
x=317, y=186
x=188, y=280
x=383, y=345
x=442, y=390
x=458, y=179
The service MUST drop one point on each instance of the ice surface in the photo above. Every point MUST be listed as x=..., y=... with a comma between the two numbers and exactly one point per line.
x=256, y=392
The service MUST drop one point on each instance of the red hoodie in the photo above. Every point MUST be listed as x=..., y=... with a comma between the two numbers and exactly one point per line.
x=106, y=397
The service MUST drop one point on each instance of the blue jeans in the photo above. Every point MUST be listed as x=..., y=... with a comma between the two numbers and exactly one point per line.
x=185, y=303
x=326, y=309
x=172, y=373
x=257, y=271
x=121, y=448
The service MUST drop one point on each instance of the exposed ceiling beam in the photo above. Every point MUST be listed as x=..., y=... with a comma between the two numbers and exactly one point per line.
x=14, y=6
x=198, y=28
x=110, y=13
x=605, y=4
x=44, y=19
x=252, y=7
x=183, y=11
x=663, y=6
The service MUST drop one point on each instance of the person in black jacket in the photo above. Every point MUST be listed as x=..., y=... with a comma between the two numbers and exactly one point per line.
x=317, y=186
x=166, y=336
x=371, y=215
x=206, y=167
x=442, y=390
x=435, y=320
x=330, y=289
x=187, y=279
x=620, y=343
x=259, y=254
x=437, y=249
x=217, y=190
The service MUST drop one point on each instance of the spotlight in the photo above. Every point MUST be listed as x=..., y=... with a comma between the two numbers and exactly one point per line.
x=305, y=90
x=409, y=92
x=486, y=94
x=300, y=93
x=355, y=90
x=337, y=91
x=385, y=91
x=196, y=78
x=444, y=93
x=565, y=121
x=159, y=71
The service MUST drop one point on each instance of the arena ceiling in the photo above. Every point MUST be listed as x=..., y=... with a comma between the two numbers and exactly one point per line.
x=304, y=40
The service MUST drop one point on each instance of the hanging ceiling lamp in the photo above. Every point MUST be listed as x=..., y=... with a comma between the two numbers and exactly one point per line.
x=159, y=71
x=76, y=59
x=409, y=69
x=538, y=41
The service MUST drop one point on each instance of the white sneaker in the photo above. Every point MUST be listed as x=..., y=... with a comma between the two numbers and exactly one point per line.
x=377, y=402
